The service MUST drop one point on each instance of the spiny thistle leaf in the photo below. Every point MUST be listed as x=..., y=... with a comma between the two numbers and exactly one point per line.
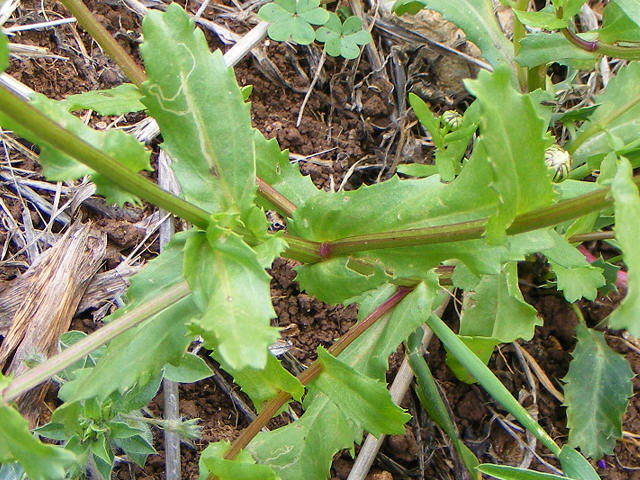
x=596, y=394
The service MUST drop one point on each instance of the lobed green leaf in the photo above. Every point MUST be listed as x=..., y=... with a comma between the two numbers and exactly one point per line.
x=574, y=275
x=516, y=156
x=57, y=166
x=261, y=385
x=364, y=400
x=498, y=309
x=627, y=230
x=272, y=166
x=189, y=369
x=598, y=388
x=17, y=444
x=231, y=289
x=496, y=313
x=119, y=100
x=204, y=120
x=243, y=467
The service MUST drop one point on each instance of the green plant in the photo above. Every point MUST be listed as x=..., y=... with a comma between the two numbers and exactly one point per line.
x=343, y=38
x=499, y=206
x=291, y=20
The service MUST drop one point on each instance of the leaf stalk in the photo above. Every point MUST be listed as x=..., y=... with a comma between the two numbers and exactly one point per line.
x=474, y=229
x=627, y=53
x=42, y=127
x=105, y=40
x=84, y=347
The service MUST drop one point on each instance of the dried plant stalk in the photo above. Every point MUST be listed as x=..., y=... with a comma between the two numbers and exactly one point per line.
x=47, y=296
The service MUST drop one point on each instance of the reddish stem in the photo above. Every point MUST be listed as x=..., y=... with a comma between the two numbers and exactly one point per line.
x=310, y=373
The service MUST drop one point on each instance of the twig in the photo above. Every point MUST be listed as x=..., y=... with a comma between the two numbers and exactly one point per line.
x=406, y=35
x=533, y=409
x=398, y=389
x=34, y=26
x=240, y=404
x=310, y=89
x=171, y=396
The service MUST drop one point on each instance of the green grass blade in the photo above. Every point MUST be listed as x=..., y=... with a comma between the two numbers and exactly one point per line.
x=432, y=402
x=616, y=116
x=489, y=381
x=504, y=472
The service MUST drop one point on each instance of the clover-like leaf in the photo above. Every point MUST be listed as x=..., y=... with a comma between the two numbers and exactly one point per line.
x=343, y=39
x=291, y=20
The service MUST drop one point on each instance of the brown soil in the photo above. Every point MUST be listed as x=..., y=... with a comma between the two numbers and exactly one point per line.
x=347, y=118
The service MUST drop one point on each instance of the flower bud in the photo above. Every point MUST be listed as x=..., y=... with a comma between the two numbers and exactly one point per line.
x=452, y=119
x=558, y=162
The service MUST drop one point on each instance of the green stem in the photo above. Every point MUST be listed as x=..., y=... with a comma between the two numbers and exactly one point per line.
x=627, y=53
x=282, y=203
x=518, y=34
x=45, y=129
x=534, y=220
x=106, y=41
x=489, y=381
x=587, y=237
x=84, y=347
x=49, y=132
